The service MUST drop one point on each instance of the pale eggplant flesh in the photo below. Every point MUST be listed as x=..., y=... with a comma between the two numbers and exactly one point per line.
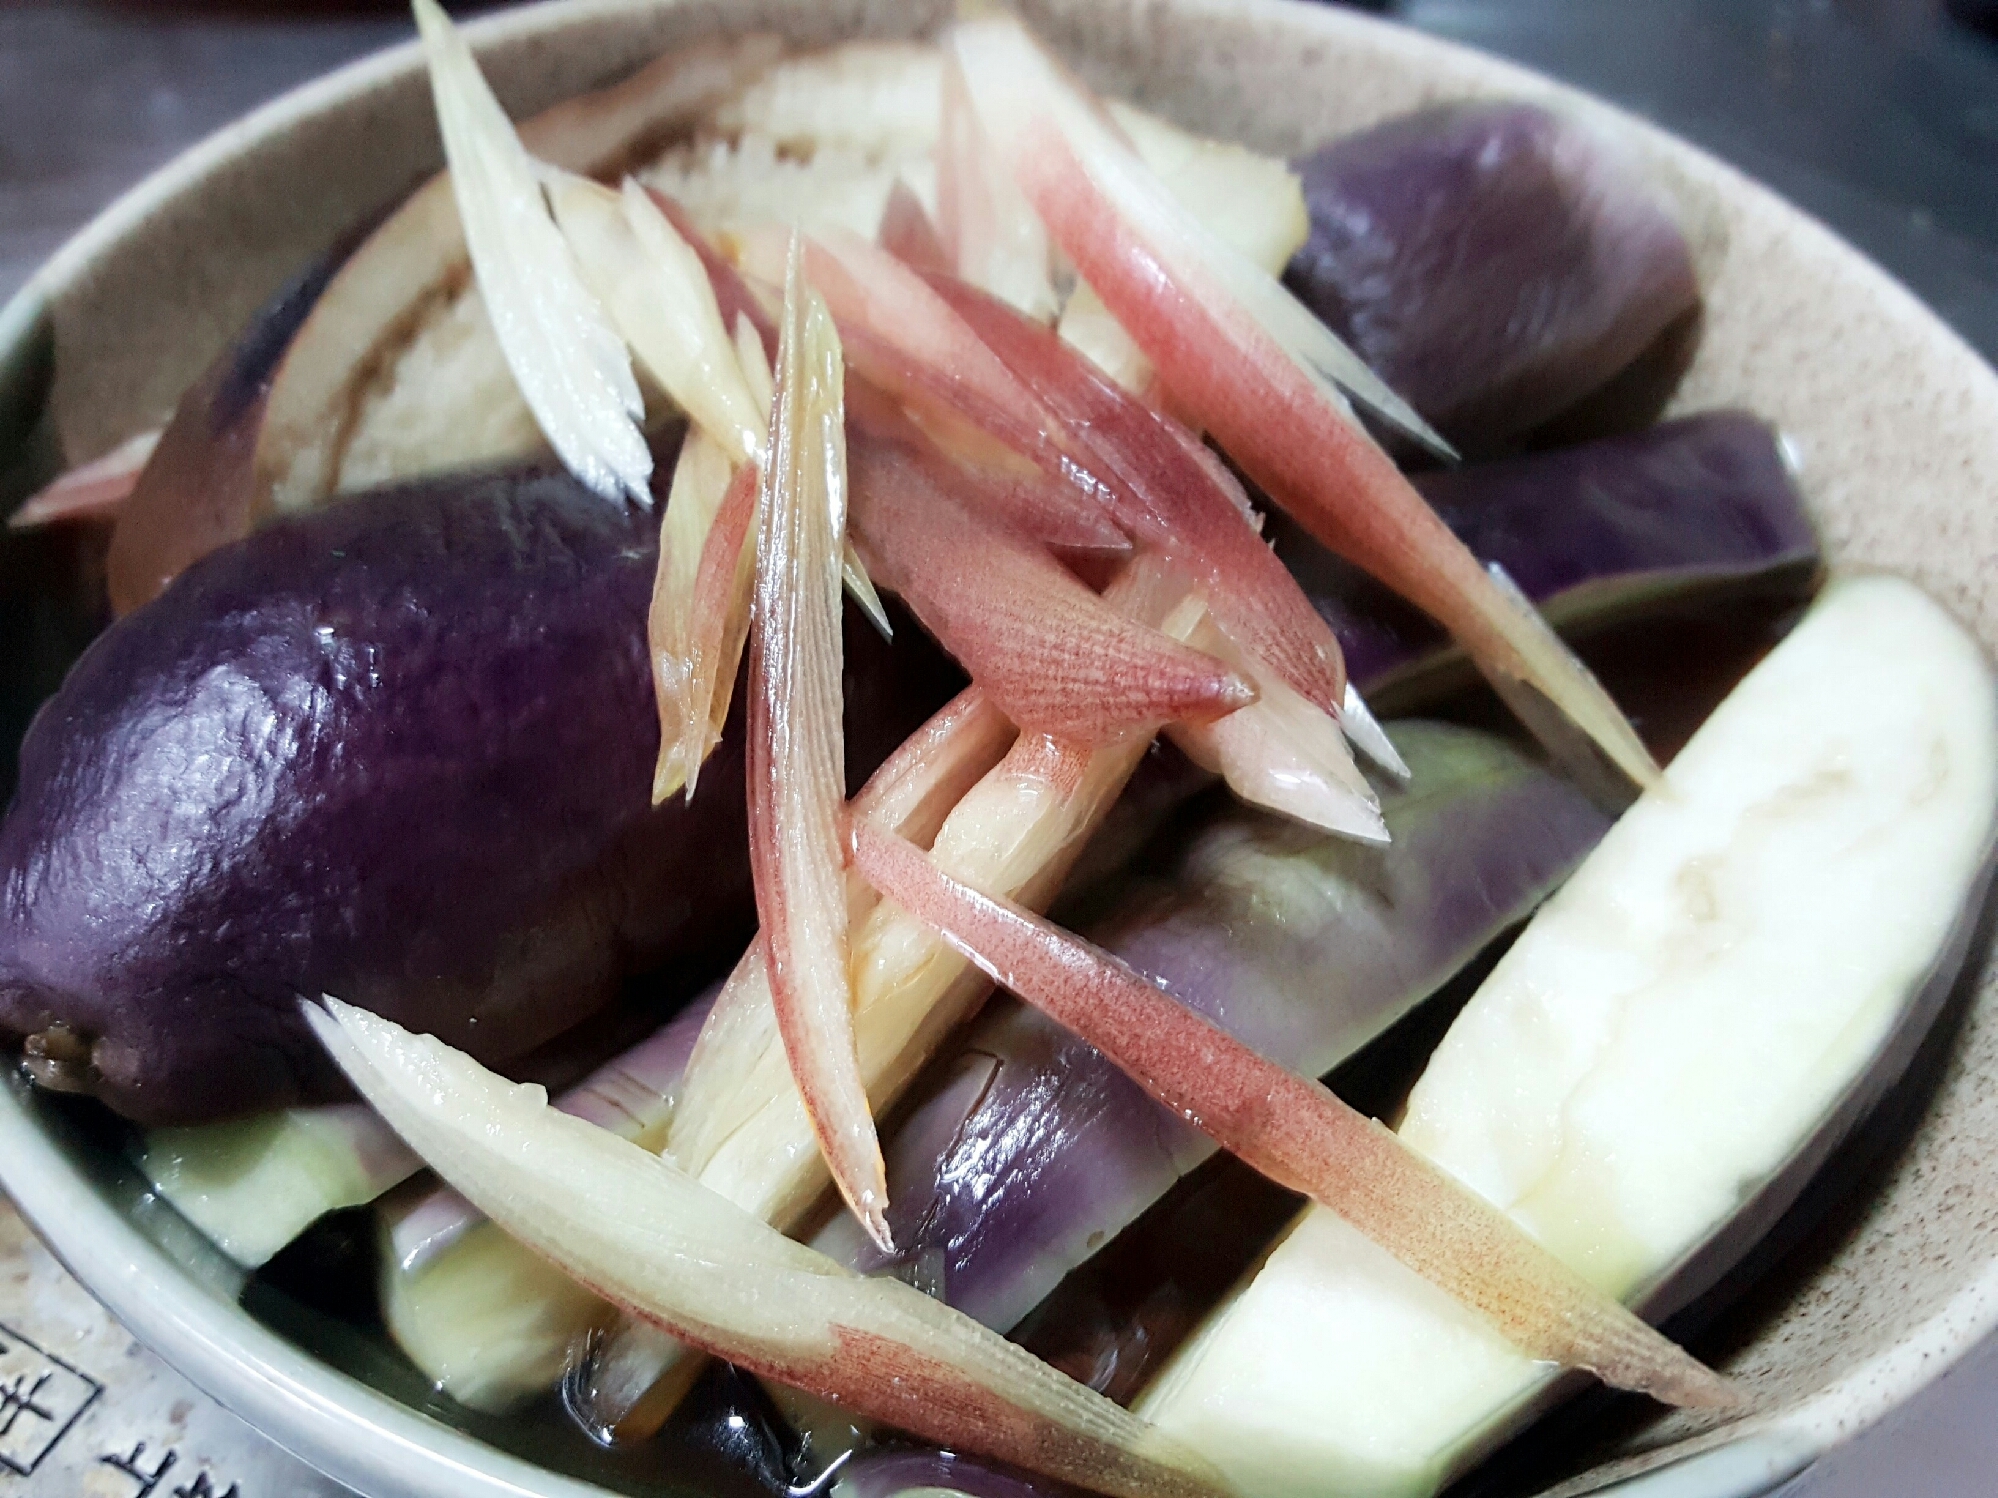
x=399, y=749
x=1494, y=261
x=1033, y=1150
x=1652, y=1072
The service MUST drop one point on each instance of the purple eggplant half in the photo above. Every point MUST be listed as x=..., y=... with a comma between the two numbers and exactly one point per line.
x=1031, y=1150
x=1494, y=262
x=1673, y=517
x=398, y=750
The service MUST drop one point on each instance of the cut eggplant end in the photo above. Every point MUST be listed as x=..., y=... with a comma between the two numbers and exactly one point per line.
x=1705, y=1008
x=630, y=1227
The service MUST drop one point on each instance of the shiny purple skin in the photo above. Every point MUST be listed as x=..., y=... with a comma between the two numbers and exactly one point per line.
x=399, y=750
x=1494, y=262
x=1031, y=1151
x=1685, y=511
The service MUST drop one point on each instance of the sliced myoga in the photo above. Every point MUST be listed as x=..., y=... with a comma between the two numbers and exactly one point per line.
x=630, y=1225
x=1258, y=370
x=1296, y=1132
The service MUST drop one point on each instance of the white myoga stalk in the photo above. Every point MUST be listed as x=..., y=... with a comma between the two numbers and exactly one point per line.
x=570, y=364
x=913, y=793
x=683, y=676
x=989, y=235
x=1296, y=1132
x=697, y=639
x=658, y=296
x=1243, y=359
x=636, y=1230
x=631, y=1095
x=1281, y=752
x=797, y=746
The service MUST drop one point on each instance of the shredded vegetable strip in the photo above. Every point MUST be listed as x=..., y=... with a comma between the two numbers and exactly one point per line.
x=89, y=491
x=732, y=294
x=797, y=748
x=904, y=338
x=910, y=794
x=1054, y=656
x=658, y=295
x=907, y=232
x=989, y=235
x=1282, y=752
x=697, y=635
x=1297, y=1133
x=1017, y=829
x=630, y=1227
x=740, y=1126
x=1164, y=494
x=570, y=364
x=1251, y=365
x=1055, y=513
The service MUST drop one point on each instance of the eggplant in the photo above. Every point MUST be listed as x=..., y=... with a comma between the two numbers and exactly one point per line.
x=350, y=396
x=252, y=1185
x=397, y=750
x=1658, y=1065
x=1493, y=261
x=196, y=491
x=1031, y=1150
x=1676, y=517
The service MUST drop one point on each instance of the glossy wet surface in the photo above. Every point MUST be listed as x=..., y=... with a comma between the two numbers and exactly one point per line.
x=1880, y=116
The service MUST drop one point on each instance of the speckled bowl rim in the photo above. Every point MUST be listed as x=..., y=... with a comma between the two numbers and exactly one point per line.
x=376, y=1444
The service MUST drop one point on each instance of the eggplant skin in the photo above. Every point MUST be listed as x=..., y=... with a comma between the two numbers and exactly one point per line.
x=1676, y=517
x=1493, y=261
x=400, y=751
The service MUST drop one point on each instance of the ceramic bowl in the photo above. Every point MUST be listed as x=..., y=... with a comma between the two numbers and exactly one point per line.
x=1894, y=419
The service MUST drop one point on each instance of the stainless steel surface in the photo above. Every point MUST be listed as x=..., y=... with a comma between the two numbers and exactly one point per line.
x=1881, y=116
